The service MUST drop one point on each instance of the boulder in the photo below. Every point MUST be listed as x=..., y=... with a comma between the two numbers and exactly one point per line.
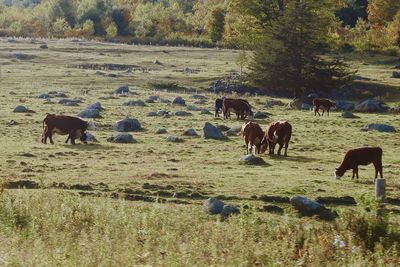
x=164, y=101
x=228, y=210
x=43, y=46
x=122, y=90
x=135, y=103
x=174, y=139
x=251, y=159
x=234, y=130
x=22, y=109
x=200, y=102
x=205, y=112
x=260, y=115
x=371, y=105
x=152, y=114
x=272, y=209
x=190, y=132
x=349, y=115
x=384, y=128
x=197, y=97
x=67, y=101
x=127, y=125
x=212, y=132
x=44, y=96
x=90, y=138
x=89, y=113
x=182, y=113
x=21, y=56
x=213, y=206
x=193, y=108
x=96, y=105
x=396, y=74
x=153, y=97
x=124, y=138
x=179, y=101
x=306, y=206
x=344, y=105
x=161, y=131
x=162, y=113
x=222, y=127
x=60, y=94
x=273, y=102
x=295, y=104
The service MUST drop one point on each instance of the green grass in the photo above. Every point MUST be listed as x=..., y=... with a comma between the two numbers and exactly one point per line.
x=53, y=226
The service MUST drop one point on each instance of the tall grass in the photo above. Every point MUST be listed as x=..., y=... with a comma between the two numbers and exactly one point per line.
x=49, y=228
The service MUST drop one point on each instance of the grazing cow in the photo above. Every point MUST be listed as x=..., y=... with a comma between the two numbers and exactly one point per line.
x=324, y=104
x=253, y=134
x=218, y=106
x=277, y=132
x=73, y=126
x=361, y=156
x=241, y=107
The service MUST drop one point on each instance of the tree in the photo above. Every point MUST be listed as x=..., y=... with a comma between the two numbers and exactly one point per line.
x=242, y=60
x=112, y=30
x=289, y=58
x=88, y=28
x=217, y=24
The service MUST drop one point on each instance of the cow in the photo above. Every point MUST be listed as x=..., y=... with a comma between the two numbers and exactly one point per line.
x=361, y=156
x=324, y=104
x=61, y=124
x=218, y=106
x=241, y=107
x=277, y=132
x=253, y=134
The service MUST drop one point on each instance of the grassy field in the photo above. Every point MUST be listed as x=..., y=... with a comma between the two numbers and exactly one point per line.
x=166, y=226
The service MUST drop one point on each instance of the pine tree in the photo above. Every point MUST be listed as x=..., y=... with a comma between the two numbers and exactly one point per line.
x=290, y=58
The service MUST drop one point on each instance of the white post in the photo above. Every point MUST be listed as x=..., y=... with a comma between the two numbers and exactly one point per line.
x=380, y=189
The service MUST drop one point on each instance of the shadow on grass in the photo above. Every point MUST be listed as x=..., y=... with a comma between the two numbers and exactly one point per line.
x=291, y=158
x=89, y=147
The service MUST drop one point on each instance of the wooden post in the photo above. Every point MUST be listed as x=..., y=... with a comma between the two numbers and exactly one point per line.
x=380, y=189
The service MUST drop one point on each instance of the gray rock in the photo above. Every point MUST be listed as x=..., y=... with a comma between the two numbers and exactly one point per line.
x=190, y=132
x=150, y=101
x=198, y=97
x=213, y=206
x=152, y=114
x=153, y=97
x=251, y=159
x=65, y=101
x=371, y=105
x=174, y=139
x=90, y=138
x=205, y=112
x=306, y=106
x=228, y=210
x=396, y=74
x=161, y=131
x=21, y=56
x=193, y=108
x=179, y=101
x=135, y=103
x=12, y=123
x=212, y=132
x=397, y=66
x=182, y=113
x=200, y=102
x=22, y=109
x=349, y=115
x=43, y=46
x=344, y=105
x=89, y=113
x=162, y=113
x=124, y=138
x=384, y=128
x=260, y=115
x=60, y=94
x=71, y=104
x=44, y=96
x=296, y=104
x=127, y=125
x=222, y=127
x=48, y=101
x=273, y=102
x=96, y=105
x=306, y=206
x=122, y=90
x=164, y=101
x=234, y=130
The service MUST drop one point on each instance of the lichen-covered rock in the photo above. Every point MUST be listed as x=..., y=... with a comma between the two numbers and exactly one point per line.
x=349, y=115
x=179, y=101
x=190, y=132
x=371, y=105
x=135, y=103
x=127, y=125
x=384, y=128
x=123, y=138
x=174, y=139
x=89, y=113
x=213, y=206
x=212, y=132
x=122, y=90
x=251, y=159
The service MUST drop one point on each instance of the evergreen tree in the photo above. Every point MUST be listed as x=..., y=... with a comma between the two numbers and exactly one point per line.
x=290, y=58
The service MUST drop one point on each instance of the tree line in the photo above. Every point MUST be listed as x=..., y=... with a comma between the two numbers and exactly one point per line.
x=361, y=25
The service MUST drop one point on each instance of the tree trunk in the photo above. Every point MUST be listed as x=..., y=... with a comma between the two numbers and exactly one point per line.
x=296, y=93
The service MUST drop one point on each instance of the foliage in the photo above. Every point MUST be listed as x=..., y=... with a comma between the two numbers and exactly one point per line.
x=112, y=30
x=217, y=24
x=290, y=58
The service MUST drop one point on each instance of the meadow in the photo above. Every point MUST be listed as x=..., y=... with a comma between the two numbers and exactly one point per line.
x=140, y=204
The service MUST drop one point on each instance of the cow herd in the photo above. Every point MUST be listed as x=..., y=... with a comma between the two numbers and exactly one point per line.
x=276, y=133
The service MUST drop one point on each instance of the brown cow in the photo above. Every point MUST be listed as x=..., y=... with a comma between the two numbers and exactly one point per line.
x=361, y=156
x=241, y=107
x=277, y=132
x=73, y=126
x=253, y=134
x=324, y=104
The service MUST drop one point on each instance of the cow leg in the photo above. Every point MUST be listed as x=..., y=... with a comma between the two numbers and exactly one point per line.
x=327, y=112
x=323, y=111
x=317, y=110
x=69, y=137
x=280, y=148
x=72, y=136
x=50, y=135
x=378, y=169
x=356, y=171
x=286, y=147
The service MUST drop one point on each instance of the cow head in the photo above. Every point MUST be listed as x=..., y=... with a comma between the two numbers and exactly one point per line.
x=338, y=173
x=83, y=137
x=263, y=145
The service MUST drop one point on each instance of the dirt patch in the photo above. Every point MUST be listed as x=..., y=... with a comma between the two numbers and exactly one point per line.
x=271, y=209
x=157, y=187
x=28, y=184
x=346, y=200
x=83, y=187
x=132, y=197
x=277, y=199
x=157, y=175
x=393, y=201
x=105, y=66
